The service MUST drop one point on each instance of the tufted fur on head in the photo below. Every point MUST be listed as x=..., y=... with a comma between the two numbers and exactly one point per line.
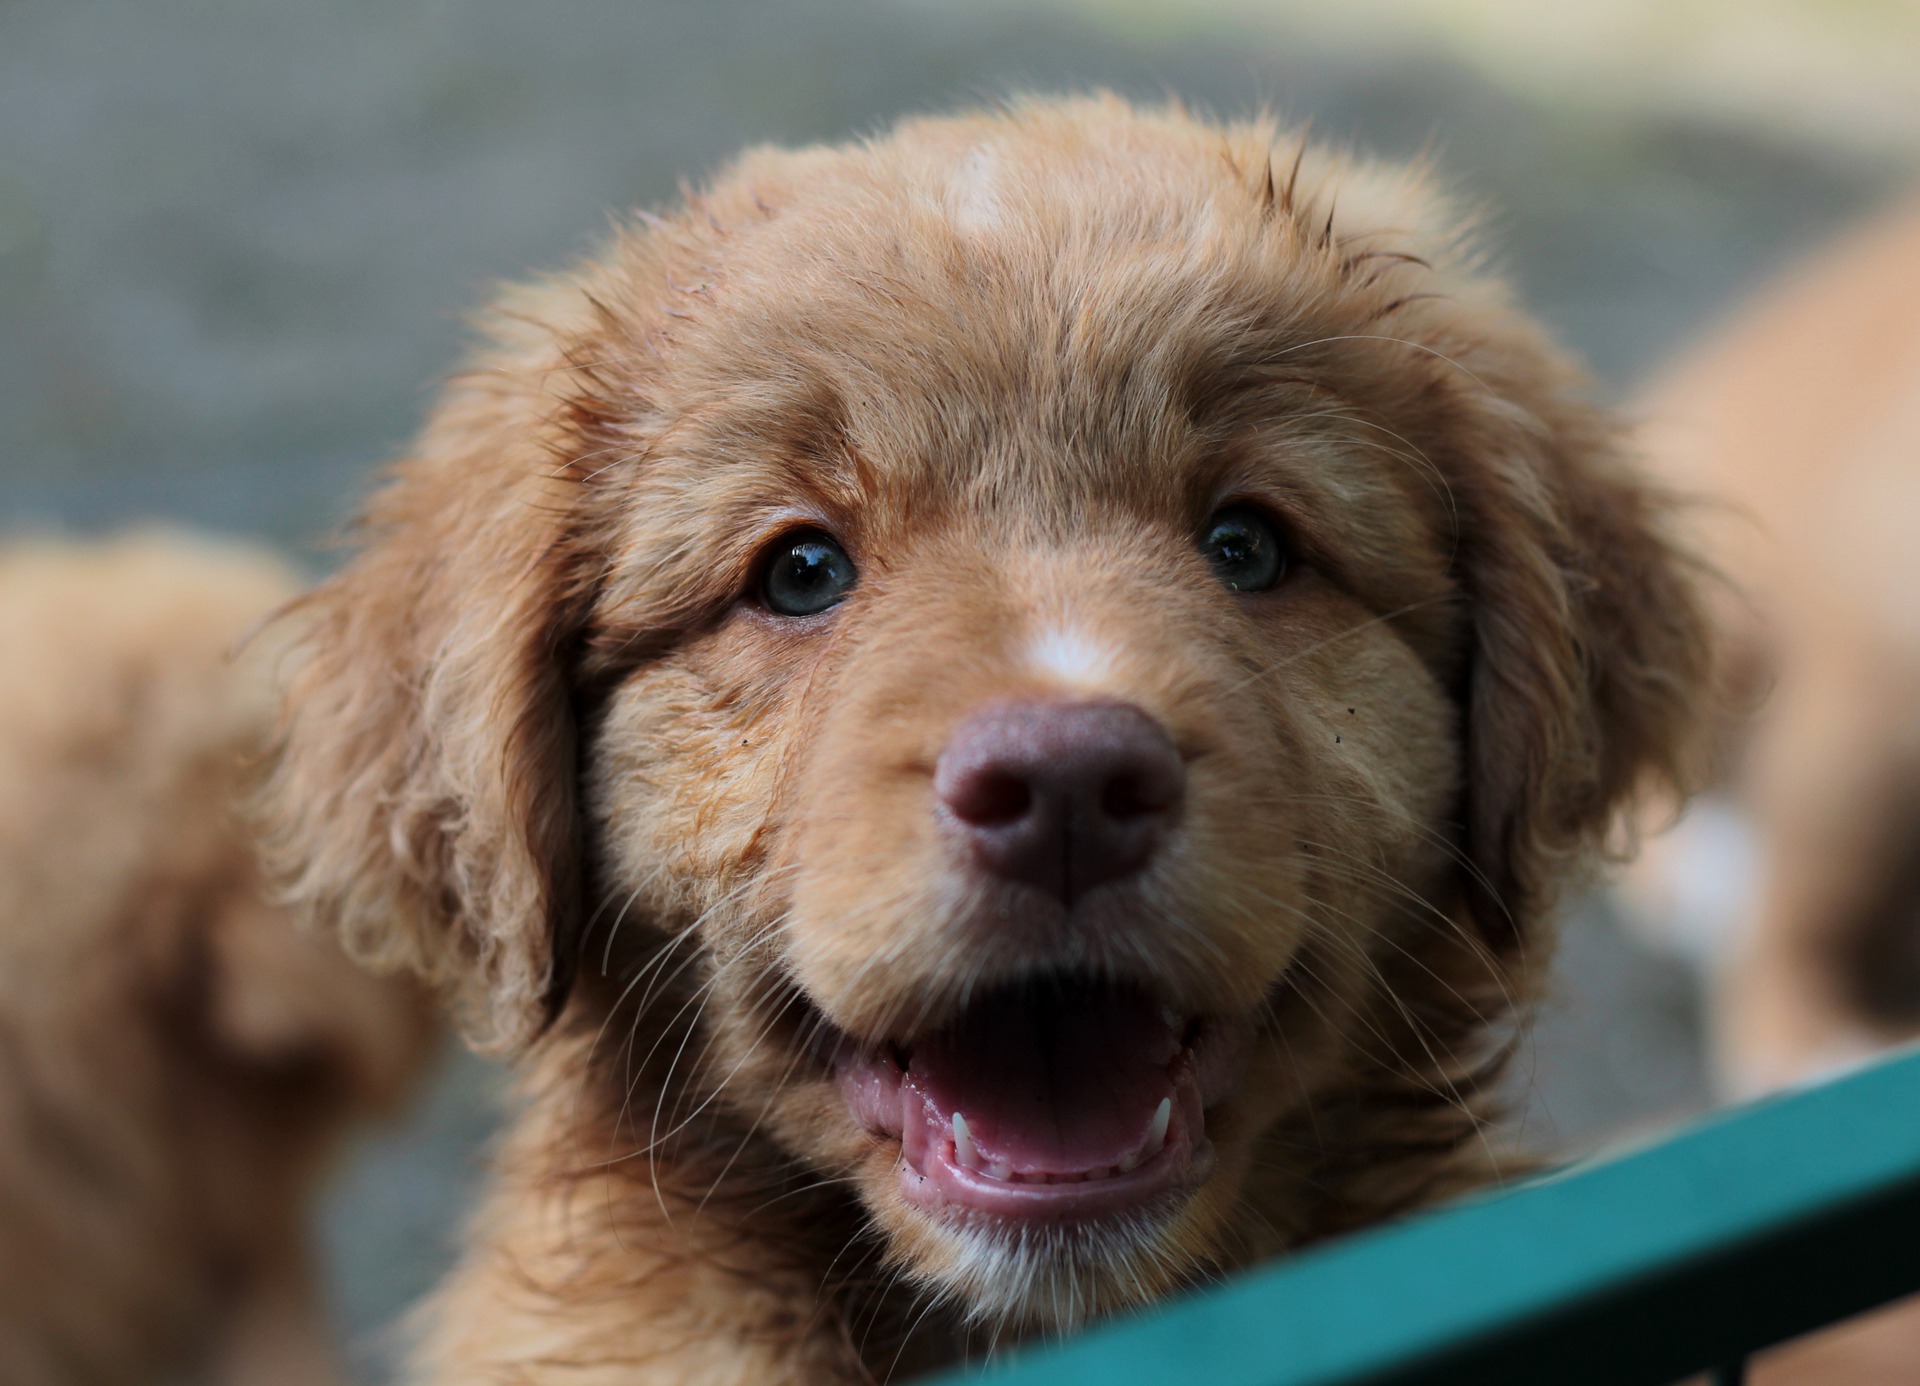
x=550, y=744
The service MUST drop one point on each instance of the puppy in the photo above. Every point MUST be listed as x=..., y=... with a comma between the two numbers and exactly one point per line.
x=1801, y=418
x=176, y=1061
x=995, y=715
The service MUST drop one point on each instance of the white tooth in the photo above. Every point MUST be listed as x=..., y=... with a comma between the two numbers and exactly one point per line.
x=997, y=1170
x=963, y=1152
x=1128, y=1164
x=1173, y=1021
x=1157, y=1133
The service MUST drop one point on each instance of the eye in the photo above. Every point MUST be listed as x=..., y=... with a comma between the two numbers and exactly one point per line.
x=808, y=573
x=1243, y=548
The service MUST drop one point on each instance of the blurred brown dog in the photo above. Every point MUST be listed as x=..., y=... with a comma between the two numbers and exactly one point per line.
x=176, y=1061
x=1803, y=416
x=997, y=712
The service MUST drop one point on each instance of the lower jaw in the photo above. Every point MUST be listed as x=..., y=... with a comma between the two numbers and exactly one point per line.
x=1016, y=1277
x=933, y=1180
x=952, y=1193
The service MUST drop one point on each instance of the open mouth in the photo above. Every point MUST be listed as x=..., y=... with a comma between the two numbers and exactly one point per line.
x=1056, y=1099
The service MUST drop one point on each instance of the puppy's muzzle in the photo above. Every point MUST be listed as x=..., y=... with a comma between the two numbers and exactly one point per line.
x=1069, y=1081
x=1060, y=796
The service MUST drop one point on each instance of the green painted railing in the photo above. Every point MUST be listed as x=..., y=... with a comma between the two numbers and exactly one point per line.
x=1747, y=1229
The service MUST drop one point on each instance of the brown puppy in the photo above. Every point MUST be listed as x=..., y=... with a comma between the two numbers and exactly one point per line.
x=1803, y=417
x=996, y=713
x=176, y=1060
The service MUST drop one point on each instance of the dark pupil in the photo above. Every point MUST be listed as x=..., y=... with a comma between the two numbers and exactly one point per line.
x=1244, y=552
x=810, y=576
x=1235, y=546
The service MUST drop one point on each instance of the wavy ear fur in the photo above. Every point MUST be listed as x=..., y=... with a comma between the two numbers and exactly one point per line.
x=423, y=803
x=1590, y=656
x=1588, y=662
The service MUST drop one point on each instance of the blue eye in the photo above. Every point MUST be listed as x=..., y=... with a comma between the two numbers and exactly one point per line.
x=809, y=572
x=1244, y=549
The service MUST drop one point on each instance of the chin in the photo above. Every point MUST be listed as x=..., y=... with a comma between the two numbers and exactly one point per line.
x=1018, y=1278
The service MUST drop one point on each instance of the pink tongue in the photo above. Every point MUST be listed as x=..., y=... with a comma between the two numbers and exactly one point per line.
x=1050, y=1081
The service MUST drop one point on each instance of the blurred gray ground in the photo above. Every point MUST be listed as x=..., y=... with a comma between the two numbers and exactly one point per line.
x=237, y=238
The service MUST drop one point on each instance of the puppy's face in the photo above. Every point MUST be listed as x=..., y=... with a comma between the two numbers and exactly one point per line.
x=1038, y=719
x=994, y=634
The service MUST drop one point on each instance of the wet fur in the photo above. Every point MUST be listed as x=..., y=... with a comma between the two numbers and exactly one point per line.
x=540, y=749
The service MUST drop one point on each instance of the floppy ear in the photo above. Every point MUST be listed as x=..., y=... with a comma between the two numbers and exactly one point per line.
x=1590, y=659
x=423, y=802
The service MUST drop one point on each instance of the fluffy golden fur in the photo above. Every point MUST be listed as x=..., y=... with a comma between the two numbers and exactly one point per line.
x=547, y=746
x=176, y=1060
x=1801, y=419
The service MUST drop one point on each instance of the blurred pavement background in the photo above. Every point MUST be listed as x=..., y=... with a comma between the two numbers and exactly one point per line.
x=237, y=238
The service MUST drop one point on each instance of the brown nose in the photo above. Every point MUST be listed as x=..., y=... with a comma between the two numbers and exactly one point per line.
x=1063, y=796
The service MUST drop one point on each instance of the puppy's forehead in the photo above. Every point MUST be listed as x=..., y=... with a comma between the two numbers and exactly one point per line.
x=992, y=308
x=955, y=359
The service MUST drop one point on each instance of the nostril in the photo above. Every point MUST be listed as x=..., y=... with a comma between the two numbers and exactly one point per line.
x=990, y=798
x=1144, y=779
x=1129, y=796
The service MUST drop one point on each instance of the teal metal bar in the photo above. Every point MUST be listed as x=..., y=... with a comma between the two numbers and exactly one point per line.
x=1743, y=1231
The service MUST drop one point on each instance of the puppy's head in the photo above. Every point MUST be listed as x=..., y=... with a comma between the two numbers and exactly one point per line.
x=1031, y=640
